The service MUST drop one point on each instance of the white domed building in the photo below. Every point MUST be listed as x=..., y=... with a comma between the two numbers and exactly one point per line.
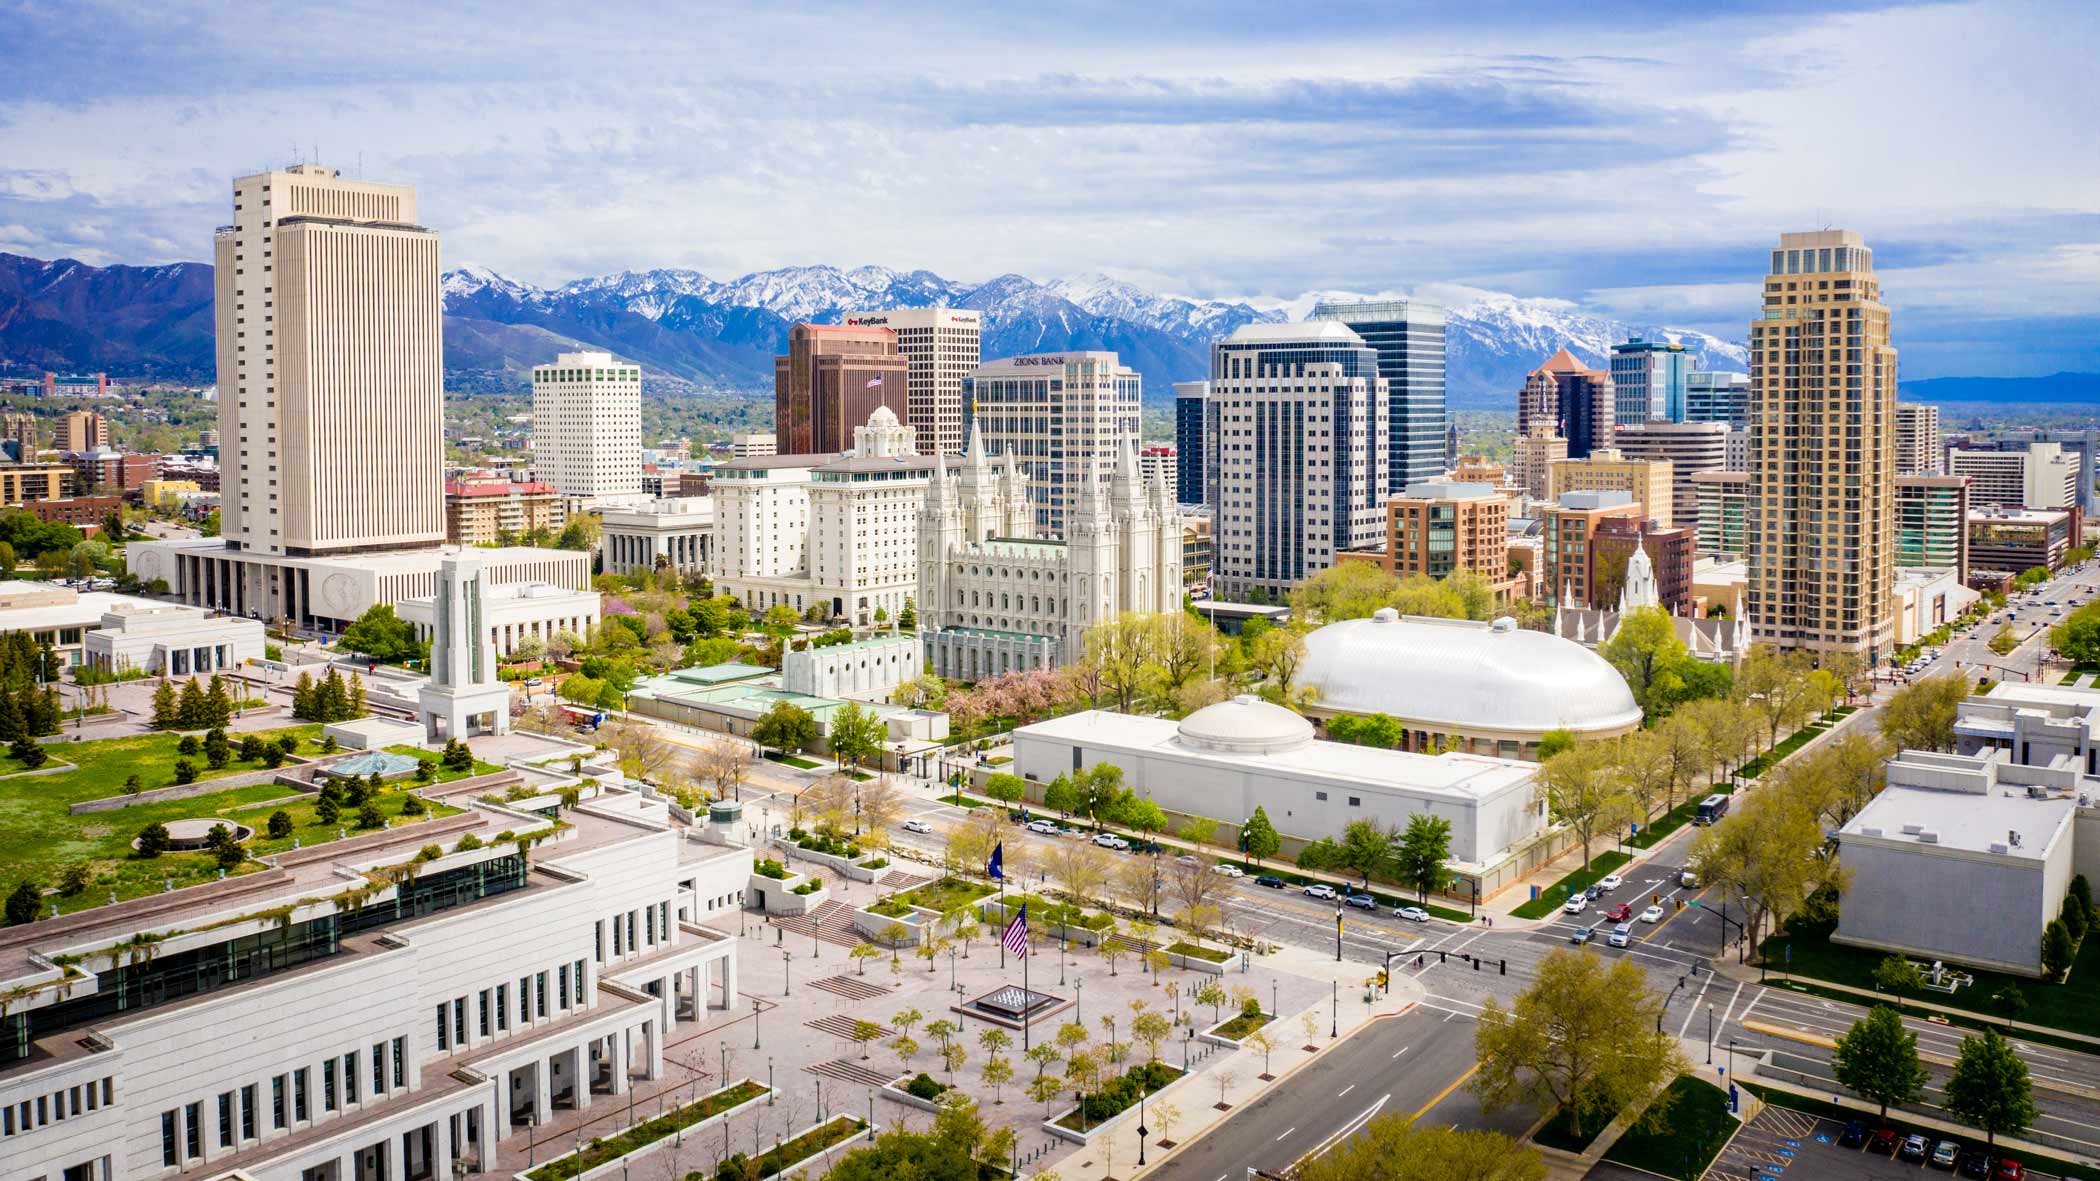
x=1494, y=686
x=1227, y=759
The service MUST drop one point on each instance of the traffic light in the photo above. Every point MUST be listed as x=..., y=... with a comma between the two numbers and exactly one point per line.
x=1656, y=898
x=1680, y=904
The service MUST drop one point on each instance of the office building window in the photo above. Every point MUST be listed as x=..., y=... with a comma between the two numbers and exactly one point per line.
x=299, y=1093
x=379, y=1068
x=444, y=1029
x=328, y=1085
x=350, y=1077
x=277, y=1102
x=193, y=1131
x=400, y=1062
x=248, y=1112
x=226, y=1119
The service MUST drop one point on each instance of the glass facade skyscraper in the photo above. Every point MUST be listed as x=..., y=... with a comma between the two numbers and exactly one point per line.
x=1408, y=335
x=1648, y=379
x=1191, y=402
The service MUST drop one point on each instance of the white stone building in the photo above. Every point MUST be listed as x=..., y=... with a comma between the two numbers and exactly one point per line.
x=679, y=530
x=1225, y=760
x=328, y=1021
x=514, y=612
x=587, y=427
x=866, y=669
x=993, y=598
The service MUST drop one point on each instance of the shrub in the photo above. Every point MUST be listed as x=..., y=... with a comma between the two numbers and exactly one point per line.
x=188, y=745
x=1121, y=1093
x=1250, y=1008
x=272, y=756
x=280, y=825
x=467, y=843
x=769, y=868
x=327, y=811
x=922, y=1086
x=73, y=880
x=2056, y=948
x=329, y=745
x=251, y=749
x=22, y=903
x=132, y=786
x=424, y=771
x=217, y=753
x=430, y=853
x=2074, y=920
x=809, y=887
x=229, y=853
x=369, y=817
x=29, y=752
x=153, y=840
x=185, y=771
x=2009, y=1000
x=413, y=805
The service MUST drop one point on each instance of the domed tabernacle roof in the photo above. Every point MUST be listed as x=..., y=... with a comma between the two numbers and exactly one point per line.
x=1465, y=676
x=883, y=416
x=1245, y=725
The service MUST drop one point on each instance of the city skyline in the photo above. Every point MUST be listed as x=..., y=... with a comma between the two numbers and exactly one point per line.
x=1708, y=138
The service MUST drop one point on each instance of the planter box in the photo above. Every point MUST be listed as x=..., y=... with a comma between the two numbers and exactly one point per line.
x=890, y=1090
x=613, y=1166
x=992, y=911
x=1199, y=964
x=915, y=925
x=776, y=893
x=841, y=866
x=793, y=903
x=859, y=1137
x=1212, y=1037
x=1052, y=1127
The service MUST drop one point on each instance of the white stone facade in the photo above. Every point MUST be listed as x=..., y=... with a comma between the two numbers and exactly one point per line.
x=587, y=426
x=169, y=639
x=866, y=669
x=679, y=530
x=513, y=612
x=993, y=598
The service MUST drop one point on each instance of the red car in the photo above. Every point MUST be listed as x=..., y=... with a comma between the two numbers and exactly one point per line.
x=1622, y=913
x=1882, y=1142
x=2009, y=1170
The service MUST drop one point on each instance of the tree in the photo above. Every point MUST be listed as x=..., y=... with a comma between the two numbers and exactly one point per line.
x=1763, y=852
x=1582, y=792
x=1185, y=647
x=1775, y=683
x=2004, y=640
x=1061, y=797
x=1878, y=1059
x=1279, y=653
x=1989, y=1088
x=1642, y=760
x=1007, y=789
x=1044, y=1055
x=280, y=825
x=997, y=1070
x=1646, y=651
x=23, y=902
x=1123, y=651
x=1394, y=1148
x=165, y=716
x=2057, y=948
x=1552, y=742
x=725, y=762
x=1258, y=837
x=1582, y=1038
x=1365, y=848
x=185, y=771
x=217, y=751
x=384, y=636
x=1419, y=854
x=1197, y=830
x=1898, y=976
x=1920, y=716
x=855, y=734
x=29, y=752
x=786, y=727
x=2077, y=638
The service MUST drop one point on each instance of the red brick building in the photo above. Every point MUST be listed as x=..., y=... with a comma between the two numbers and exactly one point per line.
x=1670, y=550
x=832, y=378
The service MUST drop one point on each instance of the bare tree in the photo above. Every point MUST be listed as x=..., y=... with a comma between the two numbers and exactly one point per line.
x=641, y=753
x=880, y=804
x=1083, y=868
x=726, y=762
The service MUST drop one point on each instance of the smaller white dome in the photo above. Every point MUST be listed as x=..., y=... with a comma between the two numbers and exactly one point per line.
x=1245, y=725
x=882, y=417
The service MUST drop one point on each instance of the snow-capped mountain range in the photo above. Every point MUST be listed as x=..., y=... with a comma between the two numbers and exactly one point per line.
x=713, y=334
x=1493, y=338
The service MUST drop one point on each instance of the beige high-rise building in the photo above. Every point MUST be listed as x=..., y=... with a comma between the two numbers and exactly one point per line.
x=587, y=427
x=330, y=357
x=1532, y=456
x=1823, y=451
x=81, y=430
x=1061, y=416
x=1917, y=439
x=942, y=346
x=1690, y=448
x=1649, y=481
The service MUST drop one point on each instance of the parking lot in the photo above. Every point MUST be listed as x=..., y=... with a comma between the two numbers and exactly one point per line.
x=1781, y=1144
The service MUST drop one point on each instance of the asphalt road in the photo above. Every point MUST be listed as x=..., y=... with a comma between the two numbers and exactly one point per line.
x=1414, y=1064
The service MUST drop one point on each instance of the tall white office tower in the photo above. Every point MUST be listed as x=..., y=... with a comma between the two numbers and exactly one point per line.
x=1061, y=416
x=587, y=427
x=940, y=345
x=1917, y=439
x=1302, y=453
x=331, y=367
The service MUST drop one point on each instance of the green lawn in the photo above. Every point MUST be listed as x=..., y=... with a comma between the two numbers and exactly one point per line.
x=1692, y=1134
x=1550, y=898
x=1241, y=1026
x=1559, y=1133
x=946, y=894
x=1806, y=951
x=1213, y=955
x=1277, y=869
x=1675, y=818
x=436, y=760
x=39, y=838
x=796, y=761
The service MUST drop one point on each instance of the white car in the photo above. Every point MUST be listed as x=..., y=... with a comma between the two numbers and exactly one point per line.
x=1046, y=827
x=1621, y=935
x=1319, y=890
x=917, y=826
x=1188, y=859
x=1230, y=871
x=1576, y=905
x=1413, y=914
x=1611, y=881
x=1111, y=842
x=1653, y=914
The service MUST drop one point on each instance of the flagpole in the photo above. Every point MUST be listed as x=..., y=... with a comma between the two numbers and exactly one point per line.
x=1026, y=1005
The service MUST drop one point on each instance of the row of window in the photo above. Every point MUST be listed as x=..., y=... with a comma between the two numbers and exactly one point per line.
x=68, y=1103
x=342, y=1084
x=493, y=1008
x=655, y=929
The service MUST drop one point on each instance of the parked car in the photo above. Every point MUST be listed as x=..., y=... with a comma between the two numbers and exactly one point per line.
x=1229, y=871
x=1621, y=913
x=1653, y=914
x=2009, y=1170
x=1320, y=890
x=1575, y=905
x=1413, y=914
x=1882, y=1142
x=1688, y=879
x=1975, y=1164
x=1046, y=827
x=1915, y=1148
x=1943, y=1156
x=1109, y=841
x=1582, y=935
x=917, y=825
x=1610, y=881
x=1189, y=859
x=1854, y=1135
x=1621, y=935
x=1362, y=901
x=1269, y=880
x=1594, y=893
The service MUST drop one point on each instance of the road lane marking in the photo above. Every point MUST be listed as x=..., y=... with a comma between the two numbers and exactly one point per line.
x=1288, y=1131
x=1445, y=1093
x=1400, y=1051
x=1345, y=1090
x=1345, y=1131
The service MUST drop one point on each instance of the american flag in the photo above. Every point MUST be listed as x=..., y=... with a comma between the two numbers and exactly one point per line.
x=1016, y=937
x=873, y=382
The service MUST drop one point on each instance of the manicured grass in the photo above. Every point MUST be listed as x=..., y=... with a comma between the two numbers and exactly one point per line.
x=1903, y=1127
x=946, y=894
x=1215, y=955
x=1278, y=870
x=1242, y=1025
x=962, y=801
x=1551, y=898
x=835, y=1132
x=1695, y=1127
x=890, y=908
x=39, y=838
x=792, y=760
x=1675, y=818
x=1560, y=1133
x=2067, y=1006
x=436, y=760
x=10, y=765
x=597, y=1152
x=308, y=829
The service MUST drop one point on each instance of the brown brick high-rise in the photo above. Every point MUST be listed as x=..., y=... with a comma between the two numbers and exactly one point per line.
x=1823, y=451
x=832, y=378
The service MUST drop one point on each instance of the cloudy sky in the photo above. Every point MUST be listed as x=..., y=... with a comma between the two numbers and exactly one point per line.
x=1638, y=158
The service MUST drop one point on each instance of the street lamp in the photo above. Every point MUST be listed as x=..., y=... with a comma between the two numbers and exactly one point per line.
x=1709, y=1033
x=1337, y=932
x=785, y=983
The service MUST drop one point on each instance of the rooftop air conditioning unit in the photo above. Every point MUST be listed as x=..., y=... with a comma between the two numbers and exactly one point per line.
x=1870, y=832
x=1998, y=847
x=1928, y=837
x=1911, y=830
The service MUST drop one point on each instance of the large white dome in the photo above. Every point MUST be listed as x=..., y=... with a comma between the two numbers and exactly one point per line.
x=1465, y=676
x=1245, y=725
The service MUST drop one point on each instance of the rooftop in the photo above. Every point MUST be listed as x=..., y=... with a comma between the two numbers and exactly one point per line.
x=2001, y=821
x=1308, y=331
